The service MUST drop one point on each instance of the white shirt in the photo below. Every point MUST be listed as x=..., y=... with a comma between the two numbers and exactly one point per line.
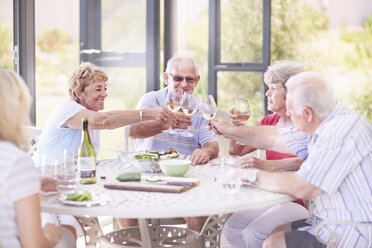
x=56, y=138
x=18, y=179
x=339, y=162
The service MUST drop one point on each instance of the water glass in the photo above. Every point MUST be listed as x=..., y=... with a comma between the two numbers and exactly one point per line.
x=229, y=178
x=66, y=173
x=67, y=177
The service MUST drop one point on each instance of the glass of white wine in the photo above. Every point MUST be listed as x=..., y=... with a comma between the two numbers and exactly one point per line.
x=190, y=105
x=243, y=111
x=173, y=103
x=208, y=107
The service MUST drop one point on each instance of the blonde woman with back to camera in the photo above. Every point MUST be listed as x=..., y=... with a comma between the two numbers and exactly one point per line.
x=20, y=224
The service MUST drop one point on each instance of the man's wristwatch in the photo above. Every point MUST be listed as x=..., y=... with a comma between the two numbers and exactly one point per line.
x=252, y=176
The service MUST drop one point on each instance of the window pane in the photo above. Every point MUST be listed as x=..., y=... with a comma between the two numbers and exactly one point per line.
x=124, y=25
x=6, y=34
x=234, y=85
x=241, y=31
x=123, y=29
x=125, y=87
x=57, y=52
x=192, y=35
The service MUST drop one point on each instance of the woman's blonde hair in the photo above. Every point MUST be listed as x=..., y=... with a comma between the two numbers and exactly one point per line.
x=15, y=103
x=84, y=75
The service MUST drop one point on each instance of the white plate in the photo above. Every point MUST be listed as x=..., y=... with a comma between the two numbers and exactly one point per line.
x=43, y=193
x=97, y=199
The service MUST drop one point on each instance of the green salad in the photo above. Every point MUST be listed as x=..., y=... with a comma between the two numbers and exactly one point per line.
x=80, y=197
x=145, y=157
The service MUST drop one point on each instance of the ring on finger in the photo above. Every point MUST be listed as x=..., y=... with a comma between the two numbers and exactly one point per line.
x=165, y=119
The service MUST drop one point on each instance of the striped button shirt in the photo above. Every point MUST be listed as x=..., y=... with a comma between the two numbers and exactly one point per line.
x=18, y=179
x=162, y=141
x=338, y=161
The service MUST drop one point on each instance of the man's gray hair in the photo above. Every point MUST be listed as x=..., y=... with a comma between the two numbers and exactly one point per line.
x=281, y=70
x=182, y=62
x=309, y=89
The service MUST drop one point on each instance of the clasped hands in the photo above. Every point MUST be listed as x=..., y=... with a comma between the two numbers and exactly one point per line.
x=176, y=120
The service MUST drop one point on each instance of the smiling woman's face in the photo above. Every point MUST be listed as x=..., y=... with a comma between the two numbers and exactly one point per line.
x=94, y=95
x=276, y=98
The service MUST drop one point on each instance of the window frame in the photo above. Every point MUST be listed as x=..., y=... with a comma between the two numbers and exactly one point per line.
x=214, y=61
x=90, y=48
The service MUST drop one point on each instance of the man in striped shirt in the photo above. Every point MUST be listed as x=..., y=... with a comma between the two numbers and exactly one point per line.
x=336, y=146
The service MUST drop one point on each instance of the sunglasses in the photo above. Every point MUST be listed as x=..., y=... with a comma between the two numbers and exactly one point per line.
x=179, y=79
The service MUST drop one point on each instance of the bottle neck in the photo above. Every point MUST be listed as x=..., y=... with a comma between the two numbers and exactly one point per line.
x=85, y=126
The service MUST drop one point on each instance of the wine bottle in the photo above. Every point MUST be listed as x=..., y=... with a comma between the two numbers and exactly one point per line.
x=87, y=157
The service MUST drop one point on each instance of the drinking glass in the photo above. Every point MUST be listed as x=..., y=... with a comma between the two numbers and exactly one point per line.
x=125, y=148
x=229, y=178
x=208, y=107
x=243, y=111
x=173, y=103
x=190, y=104
x=66, y=173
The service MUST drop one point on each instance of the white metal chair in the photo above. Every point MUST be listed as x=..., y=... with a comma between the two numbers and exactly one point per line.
x=160, y=236
x=332, y=242
x=33, y=134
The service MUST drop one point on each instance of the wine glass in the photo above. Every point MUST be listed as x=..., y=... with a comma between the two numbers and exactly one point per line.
x=208, y=107
x=173, y=103
x=243, y=111
x=190, y=105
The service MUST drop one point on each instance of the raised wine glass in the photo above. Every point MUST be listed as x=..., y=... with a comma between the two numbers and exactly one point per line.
x=243, y=111
x=173, y=103
x=208, y=107
x=190, y=105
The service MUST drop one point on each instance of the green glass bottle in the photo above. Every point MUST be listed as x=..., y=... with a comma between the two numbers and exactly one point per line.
x=87, y=157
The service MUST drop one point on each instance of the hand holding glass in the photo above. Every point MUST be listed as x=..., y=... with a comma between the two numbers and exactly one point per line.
x=173, y=103
x=243, y=111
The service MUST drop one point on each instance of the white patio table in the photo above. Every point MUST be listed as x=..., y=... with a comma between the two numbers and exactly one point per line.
x=206, y=199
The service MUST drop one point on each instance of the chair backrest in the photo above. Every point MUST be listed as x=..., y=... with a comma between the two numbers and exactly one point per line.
x=33, y=134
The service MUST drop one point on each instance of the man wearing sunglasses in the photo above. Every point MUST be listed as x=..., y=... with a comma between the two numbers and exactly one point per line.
x=181, y=73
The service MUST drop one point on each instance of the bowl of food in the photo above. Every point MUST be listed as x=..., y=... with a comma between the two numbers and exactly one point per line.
x=146, y=162
x=175, y=167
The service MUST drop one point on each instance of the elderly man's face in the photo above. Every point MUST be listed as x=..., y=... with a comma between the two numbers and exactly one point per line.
x=298, y=120
x=94, y=95
x=184, y=79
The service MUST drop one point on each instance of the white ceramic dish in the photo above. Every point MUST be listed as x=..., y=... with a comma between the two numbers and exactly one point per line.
x=98, y=199
x=175, y=167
